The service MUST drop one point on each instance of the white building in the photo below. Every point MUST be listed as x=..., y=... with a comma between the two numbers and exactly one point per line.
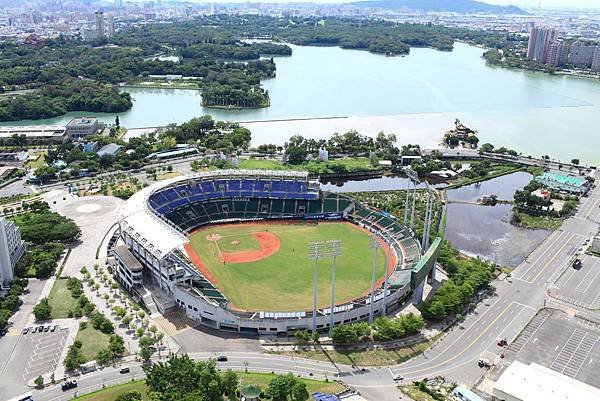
x=11, y=249
x=521, y=382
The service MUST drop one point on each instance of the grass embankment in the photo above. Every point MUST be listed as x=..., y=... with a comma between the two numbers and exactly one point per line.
x=36, y=159
x=379, y=357
x=168, y=175
x=349, y=165
x=496, y=170
x=260, y=379
x=415, y=394
x=284, y=280
x=538, y=222
x=61, y=300
x=92, y=341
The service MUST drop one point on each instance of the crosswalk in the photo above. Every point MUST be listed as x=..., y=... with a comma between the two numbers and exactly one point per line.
x=574, y=352
x=529, y=331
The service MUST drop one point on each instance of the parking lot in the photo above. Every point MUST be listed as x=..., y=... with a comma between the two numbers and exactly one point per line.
x=580, y=287
x=46, y=348
x=561, y=342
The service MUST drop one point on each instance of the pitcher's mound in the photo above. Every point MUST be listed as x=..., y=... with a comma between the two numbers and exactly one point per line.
x=235, y=242
x=213, y=237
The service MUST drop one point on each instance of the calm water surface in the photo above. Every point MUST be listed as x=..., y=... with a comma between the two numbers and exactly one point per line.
x=486, y=230
x=532, y=112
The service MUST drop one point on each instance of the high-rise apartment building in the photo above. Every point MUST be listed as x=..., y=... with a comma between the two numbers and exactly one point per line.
x=596, y=60
x=99, y=19
x=540, y=40
x=582, y=54
x=110, y=26
x=11, y=250
x=559, y=53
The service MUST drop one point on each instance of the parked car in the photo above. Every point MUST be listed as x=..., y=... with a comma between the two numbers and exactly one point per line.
x=577, y=264
x=25, y=330
x=46, y=329
x=53, y=328
x=124, y=369
x=34, y=329
x=222, y=358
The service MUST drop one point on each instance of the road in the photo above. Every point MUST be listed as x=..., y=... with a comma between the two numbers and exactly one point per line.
x=503, y=315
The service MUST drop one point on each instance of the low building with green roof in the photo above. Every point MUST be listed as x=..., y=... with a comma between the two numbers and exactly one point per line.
x=561, y=182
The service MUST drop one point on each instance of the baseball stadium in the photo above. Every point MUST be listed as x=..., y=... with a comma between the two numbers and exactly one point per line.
x=265, y=252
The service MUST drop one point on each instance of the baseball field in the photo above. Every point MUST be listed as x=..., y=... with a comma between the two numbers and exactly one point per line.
x=266, y=267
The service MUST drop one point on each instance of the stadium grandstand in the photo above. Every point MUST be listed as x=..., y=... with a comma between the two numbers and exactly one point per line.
x=155, y=222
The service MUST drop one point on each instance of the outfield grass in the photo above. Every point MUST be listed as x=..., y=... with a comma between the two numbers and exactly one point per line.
x=92, y=341
x=61, y=300
x=284, y=281
x=260, y=379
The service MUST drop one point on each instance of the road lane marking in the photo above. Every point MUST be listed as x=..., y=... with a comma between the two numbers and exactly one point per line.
x=483, y=332
x=551, y=260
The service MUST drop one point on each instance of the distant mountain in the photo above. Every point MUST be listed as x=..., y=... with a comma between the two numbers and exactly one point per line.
x=457, y=6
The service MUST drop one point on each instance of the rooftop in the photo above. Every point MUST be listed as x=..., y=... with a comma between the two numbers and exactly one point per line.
x=79, y=121
x=535, y=382
x=127, y=257
x=563, y=179
x=32, y=130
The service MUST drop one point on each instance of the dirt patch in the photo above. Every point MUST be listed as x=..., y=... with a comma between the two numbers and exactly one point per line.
x=235, y=243
x=269, y=245
x=213, y=237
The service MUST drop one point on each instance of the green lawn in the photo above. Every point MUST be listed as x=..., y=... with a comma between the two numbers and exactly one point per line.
x=379, y=357
x=284, y=281
x=92, y=340
x=263, y=164
x=61, y=300
x=35, y=161
x=542, y=222
x=260, y=379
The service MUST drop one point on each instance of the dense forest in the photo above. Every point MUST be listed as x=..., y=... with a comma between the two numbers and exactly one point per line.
x=73, y=75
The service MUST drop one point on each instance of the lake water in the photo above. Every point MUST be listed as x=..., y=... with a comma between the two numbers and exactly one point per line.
x=486, y=230
x=416, y=97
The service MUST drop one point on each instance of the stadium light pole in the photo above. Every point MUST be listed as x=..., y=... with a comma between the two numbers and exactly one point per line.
x=385, y=283
x=335, y=250
x=425, y=223
x=375, y=245
x=317, y=250
x=406, y=202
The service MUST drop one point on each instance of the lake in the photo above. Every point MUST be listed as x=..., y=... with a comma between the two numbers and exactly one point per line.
x=486, y=230
x=417, y=97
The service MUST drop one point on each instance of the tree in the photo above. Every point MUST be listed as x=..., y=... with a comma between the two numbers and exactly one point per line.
x=133, y=395
x=43, y=310
x=302, y=336
x=575, y=162
x=39, y=382
x=295, y=155
x=230, y=383
x=299, y=392
x=180, y=378
x=117, y=122
x=104, y=356
x=74, y=356
x=127, y=319
x=116, y=345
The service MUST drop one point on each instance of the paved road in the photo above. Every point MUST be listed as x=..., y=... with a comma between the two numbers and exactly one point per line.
x=504, y=314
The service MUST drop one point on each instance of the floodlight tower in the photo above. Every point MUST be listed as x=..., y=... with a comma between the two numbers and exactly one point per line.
x=335, y=251
x=375, y=245
x=385, y=282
